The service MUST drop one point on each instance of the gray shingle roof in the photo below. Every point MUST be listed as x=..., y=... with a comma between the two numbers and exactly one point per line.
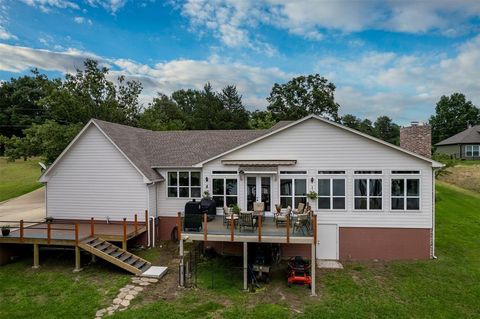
x=470, y=135
x=148, y=149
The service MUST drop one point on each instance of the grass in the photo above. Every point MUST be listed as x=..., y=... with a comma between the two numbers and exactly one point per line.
x=465, y=174
x=442, y=288
x=54, y=291
x=18, y=178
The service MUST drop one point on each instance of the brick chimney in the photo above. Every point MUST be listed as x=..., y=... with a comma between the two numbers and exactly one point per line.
x=417, y=138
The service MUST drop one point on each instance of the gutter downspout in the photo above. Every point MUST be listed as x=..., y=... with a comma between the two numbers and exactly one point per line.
x=153, y=231
x=433, y=213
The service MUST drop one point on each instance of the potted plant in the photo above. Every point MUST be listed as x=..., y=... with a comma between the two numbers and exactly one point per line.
x=235, y=209
x=5, y=230
x=312, y=195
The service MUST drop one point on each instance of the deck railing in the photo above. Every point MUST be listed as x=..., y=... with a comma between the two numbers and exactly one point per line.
x=230, y=228
x=46, y=228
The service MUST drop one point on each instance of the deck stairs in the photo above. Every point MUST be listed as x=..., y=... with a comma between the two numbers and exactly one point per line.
x=115, y=255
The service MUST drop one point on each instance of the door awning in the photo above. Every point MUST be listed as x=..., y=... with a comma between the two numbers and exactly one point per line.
x=260, y=163
x=268, y=170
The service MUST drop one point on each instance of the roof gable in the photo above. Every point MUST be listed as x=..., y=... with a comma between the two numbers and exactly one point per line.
x=312, y=116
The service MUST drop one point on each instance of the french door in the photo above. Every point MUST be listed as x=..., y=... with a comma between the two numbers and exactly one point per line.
x=259, y=189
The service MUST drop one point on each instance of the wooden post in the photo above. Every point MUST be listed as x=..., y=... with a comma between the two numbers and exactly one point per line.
x=49, y=233
x=21, y=230
x=76, y=234
x=288, y=229
x=77, y=260
x=205, y=230
x=232, y=227
x=179, y=226
x=313, y=267
x=36, y=256
x=92, y=227
x=135, y=223
x=259, y=228
x=124, y=240
x=315, y=229
x=245, y=266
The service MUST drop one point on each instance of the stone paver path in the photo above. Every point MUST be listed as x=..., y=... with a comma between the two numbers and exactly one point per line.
x=125, y=295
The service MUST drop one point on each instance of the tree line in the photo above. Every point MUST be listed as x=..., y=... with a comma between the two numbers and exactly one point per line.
x=39, y=116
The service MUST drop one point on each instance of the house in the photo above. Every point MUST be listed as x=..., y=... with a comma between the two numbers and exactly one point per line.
x=376, y=200
x=464, y=145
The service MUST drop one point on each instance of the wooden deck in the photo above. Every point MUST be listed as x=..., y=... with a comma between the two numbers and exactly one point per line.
x=63, y=233
x=216, y=230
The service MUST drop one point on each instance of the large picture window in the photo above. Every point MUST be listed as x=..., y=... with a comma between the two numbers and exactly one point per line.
x=331, y=193
x=472, y=150
x=293, y=191
x=368, y=194
x=405, y=194
x=184, y=184
x=225, y=191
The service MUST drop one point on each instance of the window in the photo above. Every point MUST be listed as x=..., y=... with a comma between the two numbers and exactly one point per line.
x=405, y=194
x=405, y=172
x=368, y=194
x=293, y=191
x=367, y=172
x=224, y=172
x=472, y=150
x=225, y=191
x=293, y=172
x=184, y=184
x=331, y=193
x=331, y=172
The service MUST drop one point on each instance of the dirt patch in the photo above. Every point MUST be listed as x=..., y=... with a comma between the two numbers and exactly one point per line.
x=464, y=176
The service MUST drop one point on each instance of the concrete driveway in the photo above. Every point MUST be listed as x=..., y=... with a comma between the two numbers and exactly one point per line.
x=29, y=207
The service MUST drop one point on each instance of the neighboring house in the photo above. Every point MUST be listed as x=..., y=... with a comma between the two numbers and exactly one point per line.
x=464, y=145
x=377, y=200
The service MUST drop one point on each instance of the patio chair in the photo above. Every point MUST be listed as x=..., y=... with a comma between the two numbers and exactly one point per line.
x=300, y=209
x=281, y=217
x=259, y=208
x=226, y=213
x=246, y=220
x=301, y=223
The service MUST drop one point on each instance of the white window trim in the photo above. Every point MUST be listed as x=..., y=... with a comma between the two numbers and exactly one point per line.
x=332, y=196
x=178, y=185
x=368, y=178
x=224, y=195
x=405, y=196
x=472, y=149
x=292, y=178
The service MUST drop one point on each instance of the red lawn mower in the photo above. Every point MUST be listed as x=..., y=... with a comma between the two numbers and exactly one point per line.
x=299, y=272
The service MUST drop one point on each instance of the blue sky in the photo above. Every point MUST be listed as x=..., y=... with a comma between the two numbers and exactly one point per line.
x=386, y=57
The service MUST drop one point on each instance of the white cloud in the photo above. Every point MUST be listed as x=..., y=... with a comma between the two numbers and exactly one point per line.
x=4, y=33
x=82, y=20
x=47, y=5
x=253, y=82
x=111, y=5
x=235, y=22
x=405, y=87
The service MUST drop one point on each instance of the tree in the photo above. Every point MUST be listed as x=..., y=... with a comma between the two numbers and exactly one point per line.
x=366, y=127
x=453, y=114
x=302, y=96
x=47, y=140
x=234, y=115
x=261, y=120
x=19, y=102
x=386, y=130
x=163, y=114
x=351, y=121
x=89, y=94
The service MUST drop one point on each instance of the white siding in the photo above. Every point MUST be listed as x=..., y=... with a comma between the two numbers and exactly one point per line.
x=94, y=179
x=320, y=146
x=167, y=206
x=152, y=199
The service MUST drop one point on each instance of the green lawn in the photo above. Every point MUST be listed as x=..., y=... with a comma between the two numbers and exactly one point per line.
x=444, y=288
x=18, y=178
